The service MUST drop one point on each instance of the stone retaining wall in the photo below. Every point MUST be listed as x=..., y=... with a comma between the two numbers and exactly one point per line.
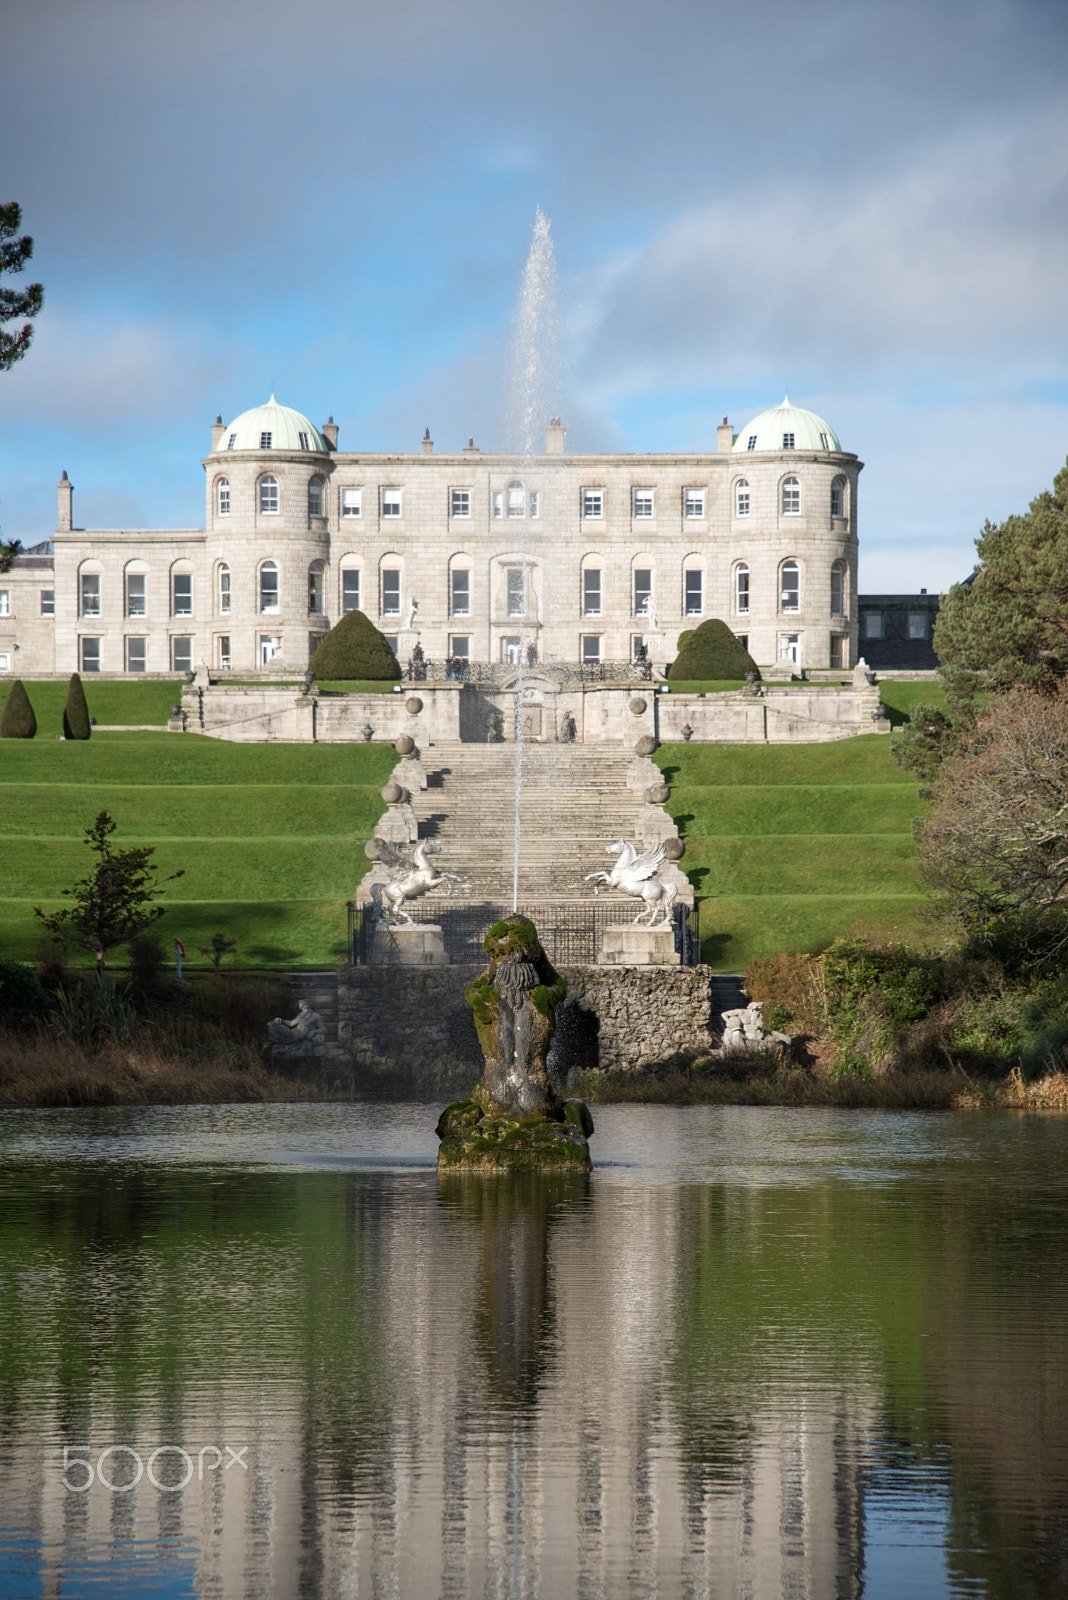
x=408, y=1031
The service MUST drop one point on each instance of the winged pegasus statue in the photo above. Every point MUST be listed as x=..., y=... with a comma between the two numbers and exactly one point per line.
x=411, y=875
x=636, y=874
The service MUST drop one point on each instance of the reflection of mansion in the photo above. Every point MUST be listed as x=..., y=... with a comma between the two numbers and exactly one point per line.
x=580, y=557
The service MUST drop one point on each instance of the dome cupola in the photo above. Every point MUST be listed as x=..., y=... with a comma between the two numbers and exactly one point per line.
x=272, y=427
x=786, y=427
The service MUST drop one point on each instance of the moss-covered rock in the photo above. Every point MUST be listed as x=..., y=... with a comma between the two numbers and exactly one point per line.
x=354, y=648
x=709, y=652
x=18, y=720
x=474, y=1139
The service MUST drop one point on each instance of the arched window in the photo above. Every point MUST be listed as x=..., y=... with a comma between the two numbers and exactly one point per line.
x=838, y=498
x=790, y=586
x=838, y=589
x=315, y=497
x=592, y=588
x=269, y=497
x=516, y=500
x=741, y=497
x=269, y=587
x=222, y=497
x=741, y=589
x=791, y=497
x=224, y=590
x=315, y=590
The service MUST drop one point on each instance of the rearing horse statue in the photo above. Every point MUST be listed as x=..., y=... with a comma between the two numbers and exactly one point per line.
x=636, y=874
x=408, y=882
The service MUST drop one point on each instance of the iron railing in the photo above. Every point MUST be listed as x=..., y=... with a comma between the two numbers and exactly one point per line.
x=570, y=935
x=500, y=675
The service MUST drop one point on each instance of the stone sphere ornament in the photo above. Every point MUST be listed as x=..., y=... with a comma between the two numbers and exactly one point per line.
x=404, y=745
x=639, y=707
x=393, y=794
x=646, y=745
x=373, y=849
x=413, y=705
x=674, y=849
x=657, y=793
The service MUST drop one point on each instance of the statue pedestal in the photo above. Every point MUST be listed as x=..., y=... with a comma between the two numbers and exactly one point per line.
x=626, y=946
x=415, y=944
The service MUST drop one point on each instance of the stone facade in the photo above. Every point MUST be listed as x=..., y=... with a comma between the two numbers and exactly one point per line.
x=634, y=1019
x=897, y=631
x=616, y=550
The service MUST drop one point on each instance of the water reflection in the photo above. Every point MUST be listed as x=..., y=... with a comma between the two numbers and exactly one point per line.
x=816, y=1356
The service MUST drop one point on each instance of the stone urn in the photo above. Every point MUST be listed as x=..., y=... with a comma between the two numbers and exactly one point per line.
x=514, y=1120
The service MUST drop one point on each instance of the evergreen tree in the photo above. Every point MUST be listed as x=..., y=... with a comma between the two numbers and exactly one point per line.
x=115, y=902
x=709, y=652
x=76, y=712
x=354, y=648
x=18, y=720
x=27, y=302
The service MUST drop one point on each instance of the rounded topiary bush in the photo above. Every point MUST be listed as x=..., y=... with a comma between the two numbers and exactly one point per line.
x=23, y=998
x=18, y=720
x=76, y=711
x=711, y=651
x=354, y=648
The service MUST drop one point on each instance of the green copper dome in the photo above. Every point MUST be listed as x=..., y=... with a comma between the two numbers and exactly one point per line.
x=272, y=427
x=786, y=427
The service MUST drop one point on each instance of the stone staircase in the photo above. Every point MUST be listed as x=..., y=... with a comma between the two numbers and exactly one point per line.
x=574, y=801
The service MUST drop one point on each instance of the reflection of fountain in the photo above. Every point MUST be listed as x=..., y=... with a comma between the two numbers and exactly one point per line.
x=515, y=1312
x=514, y=1119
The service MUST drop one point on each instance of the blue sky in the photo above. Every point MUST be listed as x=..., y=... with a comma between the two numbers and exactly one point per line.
x=865, y=205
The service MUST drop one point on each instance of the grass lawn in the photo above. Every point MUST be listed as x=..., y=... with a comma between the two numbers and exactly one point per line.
x=900, y=697
x=792, y=846
x=269, y=838
x=123, y=702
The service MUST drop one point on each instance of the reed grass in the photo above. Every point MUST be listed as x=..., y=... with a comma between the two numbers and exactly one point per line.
x=906, y=1091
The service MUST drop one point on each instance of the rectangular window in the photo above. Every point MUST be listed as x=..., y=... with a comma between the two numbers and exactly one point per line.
x=743, y=500
x=302, y=440
x=837, y=592
x=182, y=655
x=917, y=624
x=873, y=624
x=391, y=592
x=643, y=591
x=351, y=502
x=752, y=442
x=498, y=503
x=48, y=602
x=837, y=500
x=350, y=592
x=460, y=592
x=825, y=441
x=182, y=594
x=535, y=503
x=222, y=651
x=511, y=650
x=695, y=503
x=593, y=502
x=787, y=441
x=741, y=590
x=591, y=647
x=391, y=502
x=224, y=499
x=265, y=441
x=637, y=647
x=391, y=640
x=90, y=594
x=694, y=593
x=460, y=503
x=517, y=592
x=270, y=648
x=5, y=660
x=315, y=591
x=460, y=646
x=90, y=655
x=643, y=503
x=136, y=594
x=224, y=590
x=743, y=640
x=136, y=655
x=231, y=441
x=840, y=650
x=5, y=602
x=591, y=592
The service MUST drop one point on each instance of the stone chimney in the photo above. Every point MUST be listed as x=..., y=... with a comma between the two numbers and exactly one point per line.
x=724, y=438
x=554, y=437
x=470, y=448
x=66, y=504
x=428, y=444
x=329, y=432
x=217, y=431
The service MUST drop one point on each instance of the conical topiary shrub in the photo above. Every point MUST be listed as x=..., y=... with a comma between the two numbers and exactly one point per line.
x=354, y=648
x=76, y=712
x=18, y=720
x=711, y=651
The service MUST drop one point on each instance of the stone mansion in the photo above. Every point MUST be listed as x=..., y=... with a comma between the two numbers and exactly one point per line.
x=572, y=557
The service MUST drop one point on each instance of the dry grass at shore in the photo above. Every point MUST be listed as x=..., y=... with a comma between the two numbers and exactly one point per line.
x=904, y=1091
x=38, y=1070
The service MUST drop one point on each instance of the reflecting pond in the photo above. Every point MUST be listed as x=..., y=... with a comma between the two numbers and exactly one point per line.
x=758, y=1353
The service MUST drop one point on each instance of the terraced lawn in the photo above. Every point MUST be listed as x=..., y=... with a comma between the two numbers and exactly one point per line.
x=790, y=847
x=269, y=838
